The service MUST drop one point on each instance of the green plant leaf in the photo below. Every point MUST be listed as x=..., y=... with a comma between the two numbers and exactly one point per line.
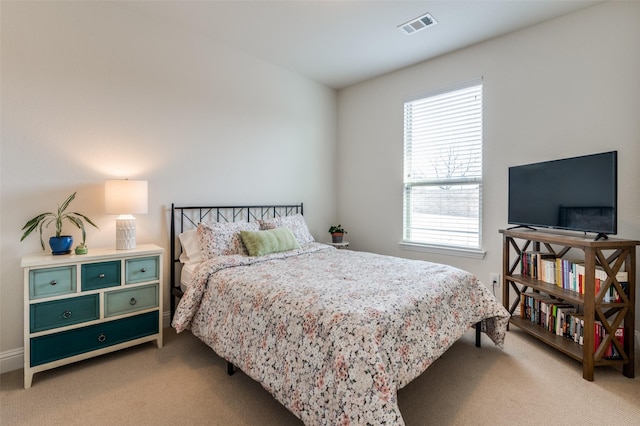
x=66, y=203
x=41, y=240
x=33, y=224
x=77, y=222
x=86, y=218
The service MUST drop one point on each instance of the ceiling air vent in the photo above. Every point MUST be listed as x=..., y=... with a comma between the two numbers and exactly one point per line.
x=417, y=24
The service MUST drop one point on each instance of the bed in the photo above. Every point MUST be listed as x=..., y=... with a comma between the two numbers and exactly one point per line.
x=331, y=334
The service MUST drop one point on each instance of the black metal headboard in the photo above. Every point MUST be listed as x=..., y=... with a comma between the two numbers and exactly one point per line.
x=188, y=218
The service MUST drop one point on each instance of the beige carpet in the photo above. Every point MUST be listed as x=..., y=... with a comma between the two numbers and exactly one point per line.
x=527, y=383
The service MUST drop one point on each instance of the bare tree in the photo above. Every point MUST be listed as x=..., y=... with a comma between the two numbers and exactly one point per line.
x=450, y=164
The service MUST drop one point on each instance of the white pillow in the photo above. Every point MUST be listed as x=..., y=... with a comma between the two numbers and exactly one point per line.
x=295, y=223
x=190, y=247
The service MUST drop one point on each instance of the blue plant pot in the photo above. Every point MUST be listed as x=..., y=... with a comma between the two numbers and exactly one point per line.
x=61, y=244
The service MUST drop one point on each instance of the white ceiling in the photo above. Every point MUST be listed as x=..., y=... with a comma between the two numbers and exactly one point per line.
x=340, y=43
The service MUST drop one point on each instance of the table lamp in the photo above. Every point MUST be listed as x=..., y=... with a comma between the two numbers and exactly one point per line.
x=125, y=198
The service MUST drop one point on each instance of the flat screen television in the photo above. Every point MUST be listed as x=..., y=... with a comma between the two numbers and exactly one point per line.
x=577, y=194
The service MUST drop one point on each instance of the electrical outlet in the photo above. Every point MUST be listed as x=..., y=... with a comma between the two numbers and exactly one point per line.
x=495, y=279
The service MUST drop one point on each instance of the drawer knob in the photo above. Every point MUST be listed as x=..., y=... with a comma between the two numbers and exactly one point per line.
x=54, y=282
x=133, y=301
x=66, y=314
x=102, y=337
x=143, y=270
x=101, y=276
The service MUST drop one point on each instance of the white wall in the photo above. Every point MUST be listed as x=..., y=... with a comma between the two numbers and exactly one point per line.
x=567, y=87
x=90, y=93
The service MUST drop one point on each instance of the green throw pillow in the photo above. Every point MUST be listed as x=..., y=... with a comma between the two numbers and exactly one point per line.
x=259, y=243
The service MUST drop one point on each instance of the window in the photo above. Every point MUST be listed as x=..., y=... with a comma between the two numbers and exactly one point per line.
x=443, y=168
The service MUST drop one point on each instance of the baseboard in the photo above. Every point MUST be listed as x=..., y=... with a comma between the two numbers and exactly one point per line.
x=14, y=359
x=11, y=360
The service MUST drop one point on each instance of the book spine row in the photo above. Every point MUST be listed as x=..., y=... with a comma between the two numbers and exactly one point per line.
x=566, y=274
x=564, y=320
x=535, y=264
x=558, y=318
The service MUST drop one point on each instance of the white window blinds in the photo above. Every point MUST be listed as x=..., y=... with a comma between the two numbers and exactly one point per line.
x=443, y=168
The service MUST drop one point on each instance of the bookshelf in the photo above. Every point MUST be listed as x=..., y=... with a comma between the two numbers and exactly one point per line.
x=612, y=258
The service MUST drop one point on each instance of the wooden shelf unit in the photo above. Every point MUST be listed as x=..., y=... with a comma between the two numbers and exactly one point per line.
x=613, y=255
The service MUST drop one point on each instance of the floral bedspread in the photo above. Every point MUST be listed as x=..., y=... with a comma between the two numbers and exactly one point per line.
x=333, y=334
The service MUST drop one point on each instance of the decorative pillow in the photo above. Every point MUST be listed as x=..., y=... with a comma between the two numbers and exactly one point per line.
x=190, y=247
x=259, y=243
x=295, y=223
x=222, y=238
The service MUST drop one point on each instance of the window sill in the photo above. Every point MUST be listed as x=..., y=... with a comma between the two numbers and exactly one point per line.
x=451, y=251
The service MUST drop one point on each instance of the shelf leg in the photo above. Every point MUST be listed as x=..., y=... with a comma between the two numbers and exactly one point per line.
x=587, y=373
x=629, y=370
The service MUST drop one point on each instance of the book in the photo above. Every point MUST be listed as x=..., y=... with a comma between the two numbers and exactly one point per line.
x=531, y=307
x=612, y=351
x=577, y=331
x=579, y=285
x=568, y=326
x=531, y=264
x=598, y=335
x=548, y=270
x=563, y=313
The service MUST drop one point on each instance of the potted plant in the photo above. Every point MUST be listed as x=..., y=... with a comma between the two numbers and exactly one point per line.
x=60, y=244
x=337, y=233
x=82, y=247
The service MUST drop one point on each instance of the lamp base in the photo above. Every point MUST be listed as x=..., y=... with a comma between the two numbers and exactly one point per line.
x=125, y=232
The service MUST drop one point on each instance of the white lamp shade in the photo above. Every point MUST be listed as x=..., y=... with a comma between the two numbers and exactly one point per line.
x=123, y=196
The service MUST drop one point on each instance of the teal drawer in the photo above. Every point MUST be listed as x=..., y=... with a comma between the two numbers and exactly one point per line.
x=100, y=275
x=60, y=313
x=52, y=281
x=143, y=269
x=53, y=347
x=119, y=302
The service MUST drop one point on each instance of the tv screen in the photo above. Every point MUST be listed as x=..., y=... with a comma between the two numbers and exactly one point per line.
x=578, y=194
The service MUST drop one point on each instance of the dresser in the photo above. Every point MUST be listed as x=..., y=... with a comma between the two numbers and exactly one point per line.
x=80, y=306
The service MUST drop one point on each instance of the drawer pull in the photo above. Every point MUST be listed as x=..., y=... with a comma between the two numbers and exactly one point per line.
x=101, y=276
x=66, y=314
x=143, y=270
x=133, y=301
x=102, y=337
x=54, y=282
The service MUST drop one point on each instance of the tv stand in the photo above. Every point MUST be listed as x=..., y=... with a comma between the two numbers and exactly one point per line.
x=606, y=264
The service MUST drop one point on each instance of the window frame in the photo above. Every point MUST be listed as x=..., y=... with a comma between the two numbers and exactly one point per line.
x=433, y=247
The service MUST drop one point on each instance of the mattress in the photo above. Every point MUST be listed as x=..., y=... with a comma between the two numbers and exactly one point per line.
x=186, y=275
